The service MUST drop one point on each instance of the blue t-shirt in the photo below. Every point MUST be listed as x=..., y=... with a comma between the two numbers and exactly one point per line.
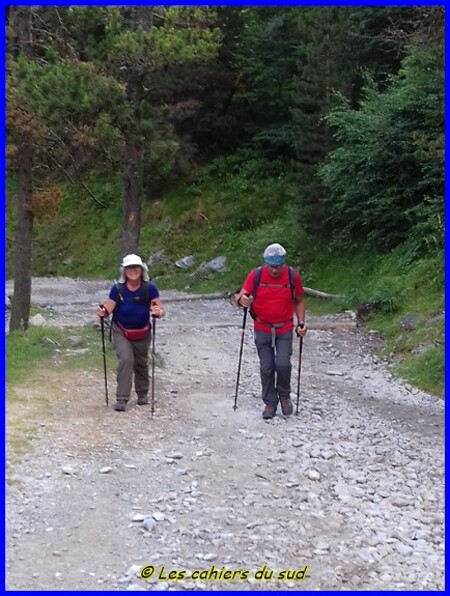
x=133, y=311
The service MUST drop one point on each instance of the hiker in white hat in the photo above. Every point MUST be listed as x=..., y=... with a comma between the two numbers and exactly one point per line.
x=132, y=301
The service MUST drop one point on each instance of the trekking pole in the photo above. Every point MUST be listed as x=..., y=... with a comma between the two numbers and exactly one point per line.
x=240, y=358
x=300, y=350
x=102, y=322
x=153, y=361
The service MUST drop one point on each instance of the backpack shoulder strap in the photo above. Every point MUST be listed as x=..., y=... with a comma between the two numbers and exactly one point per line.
x=291, y=272
x=146, y=290
x=119, y=286
x=256, y=280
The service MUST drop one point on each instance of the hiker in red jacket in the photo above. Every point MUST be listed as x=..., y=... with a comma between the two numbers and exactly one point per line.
x=273, y=293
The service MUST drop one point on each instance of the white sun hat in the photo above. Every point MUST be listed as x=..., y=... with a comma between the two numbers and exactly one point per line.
x=130, y=261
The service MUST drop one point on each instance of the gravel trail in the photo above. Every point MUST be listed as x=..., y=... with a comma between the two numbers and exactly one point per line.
x=346, y=496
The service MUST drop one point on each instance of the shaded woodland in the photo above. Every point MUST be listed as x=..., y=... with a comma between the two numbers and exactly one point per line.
x=340, y=106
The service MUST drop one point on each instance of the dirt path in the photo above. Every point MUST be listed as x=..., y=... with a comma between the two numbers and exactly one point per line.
x=352, y=488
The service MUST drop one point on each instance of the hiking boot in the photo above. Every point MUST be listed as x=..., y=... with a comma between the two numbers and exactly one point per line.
x=120, y=405
x=286, y=407
x=269, y=411
x=142, y=399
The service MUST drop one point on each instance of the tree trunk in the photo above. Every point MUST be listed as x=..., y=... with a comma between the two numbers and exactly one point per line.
x=21, y=16
x=20, y=304
x=133, y=170
x=132, y=193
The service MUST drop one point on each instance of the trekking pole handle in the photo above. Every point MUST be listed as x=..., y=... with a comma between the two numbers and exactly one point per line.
x=161, y=311
x=104, y=309
x=301, y=325
x=246, y=300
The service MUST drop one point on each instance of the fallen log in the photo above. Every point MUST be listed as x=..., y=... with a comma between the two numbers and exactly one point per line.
x=332, y=325
x=227, y=295
x=317, y=294
x=191, y=297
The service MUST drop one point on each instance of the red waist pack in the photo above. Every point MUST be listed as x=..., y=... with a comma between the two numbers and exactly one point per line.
x=134, y=334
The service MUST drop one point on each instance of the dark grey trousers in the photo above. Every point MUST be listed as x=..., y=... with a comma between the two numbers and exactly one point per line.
x=132, y=356
x=275, y=365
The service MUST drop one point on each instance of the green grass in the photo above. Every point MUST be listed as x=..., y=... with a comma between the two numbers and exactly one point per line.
x=27, y=355
x=397, y=288
x=27, y=351
x=425, y=370
x=24, y=351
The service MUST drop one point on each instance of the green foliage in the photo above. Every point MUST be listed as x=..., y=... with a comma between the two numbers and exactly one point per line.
x=385, y=299
x=293, y=61
x=66, y=88
x=75, y=111
x=61, y=243
x=107, y=190
x=265, y=58
x=385, y=180
x=251, y=191
x=160, y=157
x=182, y=35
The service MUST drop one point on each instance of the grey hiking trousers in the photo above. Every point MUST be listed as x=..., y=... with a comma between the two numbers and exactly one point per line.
x=132, y=356
x=275, y=365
